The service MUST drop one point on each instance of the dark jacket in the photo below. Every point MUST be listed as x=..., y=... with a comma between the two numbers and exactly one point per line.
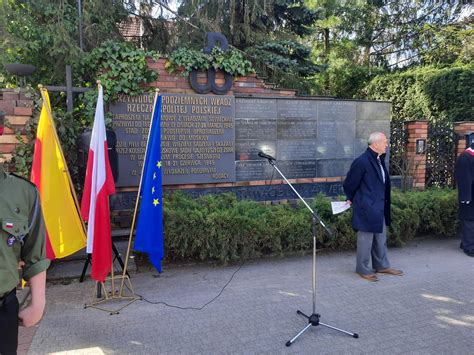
x=369, y=195
x=464, y=174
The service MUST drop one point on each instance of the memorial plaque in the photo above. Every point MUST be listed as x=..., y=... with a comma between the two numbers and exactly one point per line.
x=333, y=167
x=295, y=169
x=296, y=108
x=327, y=148
x=131, y=122
x=252, y=128
x=248, y=149
x=296, y=149
x=336, y=129
x=377, y=111
x=121, y=201
x=365, y=128
x=330, y=148
x=296, y=128
x=197, y=137
x=254, y=170
x=337, y=110
x=255, y=108
x=360, y=146
x=347, y=148
x=213, y=139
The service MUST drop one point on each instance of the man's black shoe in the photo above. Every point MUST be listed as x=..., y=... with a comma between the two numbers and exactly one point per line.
x=469, y=253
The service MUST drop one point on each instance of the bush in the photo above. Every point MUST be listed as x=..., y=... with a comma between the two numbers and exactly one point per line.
x=427, y=93
x=219, y=227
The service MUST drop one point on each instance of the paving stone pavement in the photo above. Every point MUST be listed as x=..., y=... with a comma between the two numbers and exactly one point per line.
x=430, y=310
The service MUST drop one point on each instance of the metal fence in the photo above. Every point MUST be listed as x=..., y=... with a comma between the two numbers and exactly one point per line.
x=440, y=154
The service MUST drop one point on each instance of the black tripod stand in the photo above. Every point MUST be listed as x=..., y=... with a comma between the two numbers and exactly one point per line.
x=313, y=319
x=89, y=260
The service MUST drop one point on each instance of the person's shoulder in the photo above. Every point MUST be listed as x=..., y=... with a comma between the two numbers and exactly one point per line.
x=22, y=182
x=359, y=163
x=465, y=158
x=466, y=154
x=364, y=156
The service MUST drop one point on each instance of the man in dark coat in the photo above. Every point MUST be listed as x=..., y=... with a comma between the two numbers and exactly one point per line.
x=464, y=174
x=367, y=188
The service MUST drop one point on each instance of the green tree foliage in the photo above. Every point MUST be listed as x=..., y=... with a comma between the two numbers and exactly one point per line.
x=288, y=41
x=232, y=61
x=446, y=45
x=44, y=33
x=427, y=93
x=360, y=39
x=388, y=31
x=121, y=68
x=269, y=31
x=244, y=23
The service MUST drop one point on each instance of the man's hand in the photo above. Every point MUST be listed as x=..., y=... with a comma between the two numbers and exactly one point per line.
x=33, y=313
x=349, y=202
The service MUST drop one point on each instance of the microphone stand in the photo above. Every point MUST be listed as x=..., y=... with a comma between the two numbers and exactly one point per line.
x=313, y=319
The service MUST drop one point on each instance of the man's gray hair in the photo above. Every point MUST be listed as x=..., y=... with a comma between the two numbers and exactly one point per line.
x=374, y=137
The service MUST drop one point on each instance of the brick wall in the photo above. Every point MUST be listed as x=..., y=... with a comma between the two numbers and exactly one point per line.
x=416, y=162
x=19, y=110
x=178, y=84
x=462, y=129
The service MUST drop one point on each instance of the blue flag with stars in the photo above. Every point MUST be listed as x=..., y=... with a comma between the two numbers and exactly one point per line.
x=149, y=234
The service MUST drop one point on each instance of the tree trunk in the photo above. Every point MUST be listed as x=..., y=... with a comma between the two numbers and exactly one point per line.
x=327, y=48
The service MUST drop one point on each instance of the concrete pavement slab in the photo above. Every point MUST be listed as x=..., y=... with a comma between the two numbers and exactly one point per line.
x=429, y=310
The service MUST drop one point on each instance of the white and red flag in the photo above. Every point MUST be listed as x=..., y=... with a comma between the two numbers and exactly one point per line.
x=99, y=184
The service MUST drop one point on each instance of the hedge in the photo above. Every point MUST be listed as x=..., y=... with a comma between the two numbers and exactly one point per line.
x=220, y=227
x=427, y=93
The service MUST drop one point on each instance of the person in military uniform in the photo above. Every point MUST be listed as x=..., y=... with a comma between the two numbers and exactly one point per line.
x=22, y=242
x=464, y=174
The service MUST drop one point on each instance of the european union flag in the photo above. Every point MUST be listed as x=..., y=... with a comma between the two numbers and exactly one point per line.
x=149, y=234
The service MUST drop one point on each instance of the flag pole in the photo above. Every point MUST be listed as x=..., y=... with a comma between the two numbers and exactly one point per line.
x=96, y=300
x=66, y=169
x=112, y=275
x=138, y=195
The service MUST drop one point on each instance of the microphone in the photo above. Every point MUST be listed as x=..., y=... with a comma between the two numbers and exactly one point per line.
x=266, y=156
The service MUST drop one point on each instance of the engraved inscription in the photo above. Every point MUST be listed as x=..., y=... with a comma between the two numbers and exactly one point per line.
x=255, y=108
x=294, y=169
x=296, y=149
x=248, y=149
x=251, y=128
x=364, y=128
x=337, y=110
x=197, y=137
x=296, y=128
x=254, y=170
x=333, y=167
x=297, y=108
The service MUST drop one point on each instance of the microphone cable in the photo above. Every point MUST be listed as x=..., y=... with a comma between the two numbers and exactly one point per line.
x=193, y=308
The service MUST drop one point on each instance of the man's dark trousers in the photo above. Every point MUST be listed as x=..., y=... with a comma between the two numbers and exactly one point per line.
x=9, y=324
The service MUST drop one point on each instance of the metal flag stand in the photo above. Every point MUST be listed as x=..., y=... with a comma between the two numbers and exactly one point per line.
x=114, y=293
x=313, y=319
x=100, y=286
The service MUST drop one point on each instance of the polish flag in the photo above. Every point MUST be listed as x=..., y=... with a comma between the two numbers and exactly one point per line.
x=99, y=184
